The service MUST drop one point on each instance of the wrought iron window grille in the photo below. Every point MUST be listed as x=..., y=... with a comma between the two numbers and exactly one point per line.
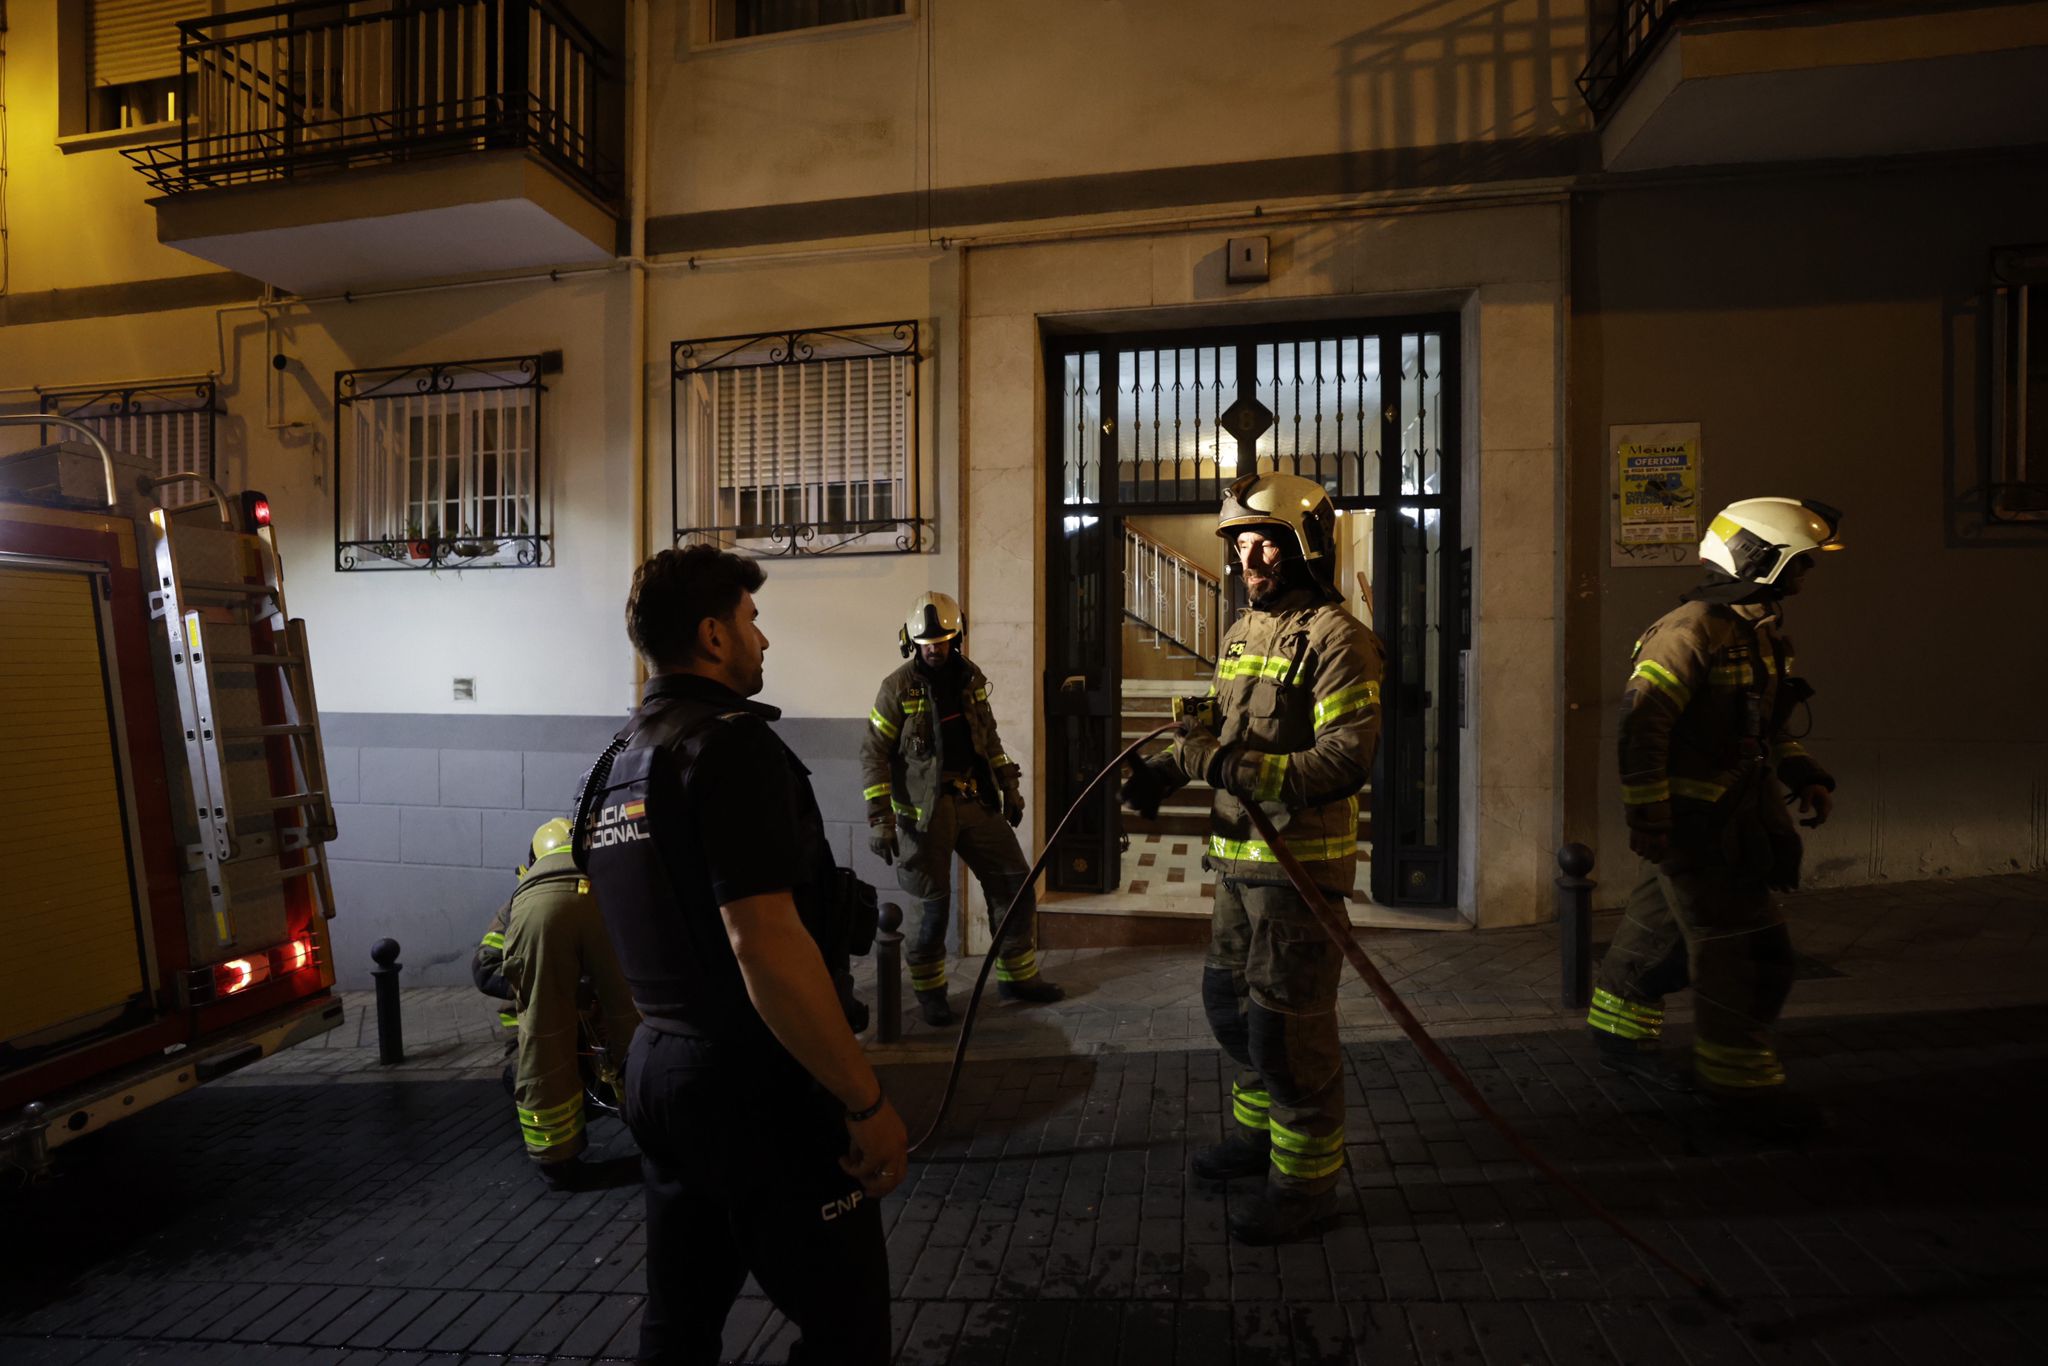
x=798, y=442
x=172, y=423
x=2016, y=488
x=439, y=466
x=311, y=88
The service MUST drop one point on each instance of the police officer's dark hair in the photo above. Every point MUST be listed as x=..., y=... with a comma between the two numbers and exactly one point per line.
x=676, y=590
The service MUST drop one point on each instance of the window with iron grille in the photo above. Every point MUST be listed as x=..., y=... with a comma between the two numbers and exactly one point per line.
x=439, y=466
x=798, y=442
x=169, y=423
x=2018, y=482
x=755, y=18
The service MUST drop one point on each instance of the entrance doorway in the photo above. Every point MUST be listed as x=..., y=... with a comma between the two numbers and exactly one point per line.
x=1146, y=433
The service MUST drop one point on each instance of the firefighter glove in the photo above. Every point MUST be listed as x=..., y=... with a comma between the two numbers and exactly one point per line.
x=1817, y=799
x=882, y=841
x=1013, y=807
x=1144, y=789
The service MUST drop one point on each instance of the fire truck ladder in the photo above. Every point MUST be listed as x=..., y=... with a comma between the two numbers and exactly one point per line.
x=185, y=603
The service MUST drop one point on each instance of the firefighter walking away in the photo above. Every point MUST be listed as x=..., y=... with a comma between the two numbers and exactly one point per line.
x=1708, y=751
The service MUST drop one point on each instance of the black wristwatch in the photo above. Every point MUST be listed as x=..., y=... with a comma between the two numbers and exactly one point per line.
x=856, y=1116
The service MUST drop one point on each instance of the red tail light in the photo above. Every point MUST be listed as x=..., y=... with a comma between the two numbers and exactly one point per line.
x=293, y=955
x=262, y=512
x=239, y=974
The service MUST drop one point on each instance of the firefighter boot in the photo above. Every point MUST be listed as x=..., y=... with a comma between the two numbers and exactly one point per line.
x=1236, y=1156
x=1032, y=991
x=936, y=1009
x=1640, y=1059
x=1282, y=1216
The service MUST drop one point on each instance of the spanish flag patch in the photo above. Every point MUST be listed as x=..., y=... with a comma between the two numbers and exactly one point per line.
x=632, y=811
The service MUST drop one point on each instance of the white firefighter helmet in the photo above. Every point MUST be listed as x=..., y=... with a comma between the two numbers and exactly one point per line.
x=1298, y=507
x=934, y=617
x=1757, y=538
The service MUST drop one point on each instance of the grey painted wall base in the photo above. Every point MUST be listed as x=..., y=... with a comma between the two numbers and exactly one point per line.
x=435, y=813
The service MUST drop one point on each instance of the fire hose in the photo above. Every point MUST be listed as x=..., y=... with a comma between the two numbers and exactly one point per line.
x=1338, y=927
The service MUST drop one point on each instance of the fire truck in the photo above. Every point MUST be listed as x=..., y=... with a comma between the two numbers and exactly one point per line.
x=163, y=794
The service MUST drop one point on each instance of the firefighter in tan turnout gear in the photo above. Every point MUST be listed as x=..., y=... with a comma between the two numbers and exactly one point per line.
x=1298, y=694
x=554, y=938
x=937, y=783
x=1705, y=747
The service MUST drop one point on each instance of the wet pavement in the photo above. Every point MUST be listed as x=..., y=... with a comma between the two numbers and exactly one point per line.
x=321, y=1209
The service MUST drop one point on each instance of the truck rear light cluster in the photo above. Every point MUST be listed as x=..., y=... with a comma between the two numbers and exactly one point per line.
x=239, y=974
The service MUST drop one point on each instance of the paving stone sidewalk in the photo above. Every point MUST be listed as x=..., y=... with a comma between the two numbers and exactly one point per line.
x=339, y=1214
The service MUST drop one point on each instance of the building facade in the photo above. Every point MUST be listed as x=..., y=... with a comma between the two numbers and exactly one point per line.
x=495, y=297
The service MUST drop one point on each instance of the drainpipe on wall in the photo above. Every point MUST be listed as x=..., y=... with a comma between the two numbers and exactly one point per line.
x=636, y=266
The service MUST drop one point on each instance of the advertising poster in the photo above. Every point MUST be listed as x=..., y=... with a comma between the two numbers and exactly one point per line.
x=1656, y=493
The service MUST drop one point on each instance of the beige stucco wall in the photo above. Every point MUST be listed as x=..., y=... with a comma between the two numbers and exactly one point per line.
x=980, y=92
x=1502, y=268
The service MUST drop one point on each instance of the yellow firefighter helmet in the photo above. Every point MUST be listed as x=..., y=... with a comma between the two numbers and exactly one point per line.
x=1300, y=508
x=551, y=836
x=1757, y=538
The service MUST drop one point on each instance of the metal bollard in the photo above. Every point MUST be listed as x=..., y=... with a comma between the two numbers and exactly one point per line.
x=390, y=1026
x=1575, y=925
x=889, y=973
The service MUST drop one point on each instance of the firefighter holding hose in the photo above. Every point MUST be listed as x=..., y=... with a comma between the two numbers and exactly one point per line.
x=1295, y=724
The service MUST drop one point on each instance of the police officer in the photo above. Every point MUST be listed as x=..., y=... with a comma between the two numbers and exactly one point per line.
x=766, y=1140
x=937, y=783
x=554, y=939
x=1705, y=747
x=1298, y=690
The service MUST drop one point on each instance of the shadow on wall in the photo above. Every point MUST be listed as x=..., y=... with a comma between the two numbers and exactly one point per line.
x=1456, y=91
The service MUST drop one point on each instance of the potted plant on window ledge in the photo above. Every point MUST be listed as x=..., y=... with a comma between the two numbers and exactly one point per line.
x=472, y=547
x=419, y=541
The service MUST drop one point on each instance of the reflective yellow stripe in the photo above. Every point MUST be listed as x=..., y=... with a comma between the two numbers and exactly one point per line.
x=915, y=813
x=1002, y=761
x=882, y=723
x=1698, y=789
x=1022, y=968
x=1662, y=678
x=1307, y=1145
x=981, y=694
x=1643, y=794
x=1305, y=1167
x=1306, y=851
x=869, y=794
x=913, y=705
x=1735, y=674
x=508, y=1019
x=1249, y=1106
x=1254, y=666
x=1624, y=1018
x=1788, y=749
x=552, y=1127
x=1342, y=703
x=1736, y=1067
x=929, y=977
x=494, y=940
x=1272, y=775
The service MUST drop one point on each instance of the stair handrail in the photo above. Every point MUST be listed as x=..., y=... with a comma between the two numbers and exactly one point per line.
x=1187, y=610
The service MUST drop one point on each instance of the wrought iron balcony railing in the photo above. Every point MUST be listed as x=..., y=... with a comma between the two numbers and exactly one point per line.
x=307, y=88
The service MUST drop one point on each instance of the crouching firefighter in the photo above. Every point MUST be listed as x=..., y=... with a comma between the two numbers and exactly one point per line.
x=1705, y=747
x=1293, y=728
x=938, y=783
x=765, y=1138
x=553, y=950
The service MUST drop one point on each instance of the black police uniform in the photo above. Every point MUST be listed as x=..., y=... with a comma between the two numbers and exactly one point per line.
x=740, y=1146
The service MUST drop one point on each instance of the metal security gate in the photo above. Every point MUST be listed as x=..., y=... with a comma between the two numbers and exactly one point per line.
x=1160, y=423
